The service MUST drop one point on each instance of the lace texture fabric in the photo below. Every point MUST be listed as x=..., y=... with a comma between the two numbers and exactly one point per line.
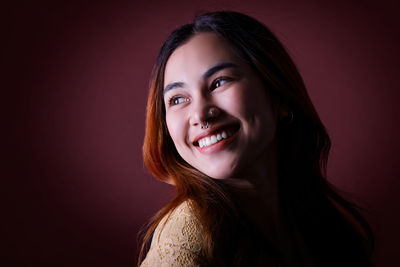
x=176, y=240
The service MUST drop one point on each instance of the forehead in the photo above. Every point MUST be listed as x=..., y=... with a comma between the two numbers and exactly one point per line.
x=197, y=55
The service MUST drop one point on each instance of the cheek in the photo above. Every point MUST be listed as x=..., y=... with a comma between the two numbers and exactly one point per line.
x=254, y=107
x=172, y=127
x=242, y=104
x=233, y=101
x=264, y=119
x=175, y=128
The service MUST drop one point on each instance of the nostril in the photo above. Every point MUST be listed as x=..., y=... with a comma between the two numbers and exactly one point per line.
x=196, y=123
x=201, y=112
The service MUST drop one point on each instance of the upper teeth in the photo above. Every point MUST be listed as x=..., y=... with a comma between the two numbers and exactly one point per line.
x=210, y=140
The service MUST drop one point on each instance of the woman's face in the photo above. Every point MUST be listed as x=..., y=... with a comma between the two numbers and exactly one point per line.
x=206, y=81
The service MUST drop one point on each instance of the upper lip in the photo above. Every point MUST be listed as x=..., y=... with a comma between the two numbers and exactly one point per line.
x=210, y=132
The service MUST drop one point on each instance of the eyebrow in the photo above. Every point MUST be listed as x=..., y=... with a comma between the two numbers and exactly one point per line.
x=172, y=86
x=207, y=74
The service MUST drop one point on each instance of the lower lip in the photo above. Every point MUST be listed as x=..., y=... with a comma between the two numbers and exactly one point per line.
x=217, y=146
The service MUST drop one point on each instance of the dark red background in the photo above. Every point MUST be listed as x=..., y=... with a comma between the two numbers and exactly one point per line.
x=74, y=93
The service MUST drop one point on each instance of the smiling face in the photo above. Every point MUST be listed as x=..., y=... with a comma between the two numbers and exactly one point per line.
x=207, y=82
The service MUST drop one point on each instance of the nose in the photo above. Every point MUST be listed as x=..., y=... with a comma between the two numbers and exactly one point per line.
x=203, y=110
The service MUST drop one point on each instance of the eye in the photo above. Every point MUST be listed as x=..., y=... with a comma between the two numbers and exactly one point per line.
x=176, y=100
x=219, y=82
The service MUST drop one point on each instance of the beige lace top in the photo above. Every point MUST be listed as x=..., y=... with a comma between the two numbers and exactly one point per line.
x=176, y=240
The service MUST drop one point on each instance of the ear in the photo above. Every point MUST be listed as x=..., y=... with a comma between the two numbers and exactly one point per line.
x=283, y=111
x=285, y=114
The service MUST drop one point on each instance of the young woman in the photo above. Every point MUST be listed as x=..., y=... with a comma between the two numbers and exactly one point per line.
x=231, y=126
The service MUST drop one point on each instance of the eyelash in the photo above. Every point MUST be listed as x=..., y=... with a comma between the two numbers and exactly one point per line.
x=172, y=99
x=218, y=80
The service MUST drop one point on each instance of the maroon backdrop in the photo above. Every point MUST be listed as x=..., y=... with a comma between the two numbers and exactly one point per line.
x=74, y=93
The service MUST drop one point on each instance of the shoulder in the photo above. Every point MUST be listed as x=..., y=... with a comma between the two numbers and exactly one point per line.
x=180, y=226
x=176, y=240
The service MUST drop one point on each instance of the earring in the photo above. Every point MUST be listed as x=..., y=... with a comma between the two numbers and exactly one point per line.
x=212, y=113
x=288, y=119
x=291, y=117
x=204, y=126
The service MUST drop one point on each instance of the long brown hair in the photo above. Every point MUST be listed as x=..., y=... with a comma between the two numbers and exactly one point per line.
x=332, y=228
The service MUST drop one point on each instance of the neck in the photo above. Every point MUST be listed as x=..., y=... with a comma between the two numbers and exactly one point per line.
x=256, y=196
x=255, y=193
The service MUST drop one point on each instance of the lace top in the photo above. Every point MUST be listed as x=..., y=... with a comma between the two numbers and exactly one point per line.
x=176, y=240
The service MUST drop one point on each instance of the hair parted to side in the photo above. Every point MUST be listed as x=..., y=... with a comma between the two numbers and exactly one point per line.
x=311, y=205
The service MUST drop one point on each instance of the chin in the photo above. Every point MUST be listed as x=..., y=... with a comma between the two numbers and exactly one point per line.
x=219, y=176
x=219, y=173
x=219, y=167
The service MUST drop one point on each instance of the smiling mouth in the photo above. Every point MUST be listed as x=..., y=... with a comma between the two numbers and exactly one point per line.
x=217, y=136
